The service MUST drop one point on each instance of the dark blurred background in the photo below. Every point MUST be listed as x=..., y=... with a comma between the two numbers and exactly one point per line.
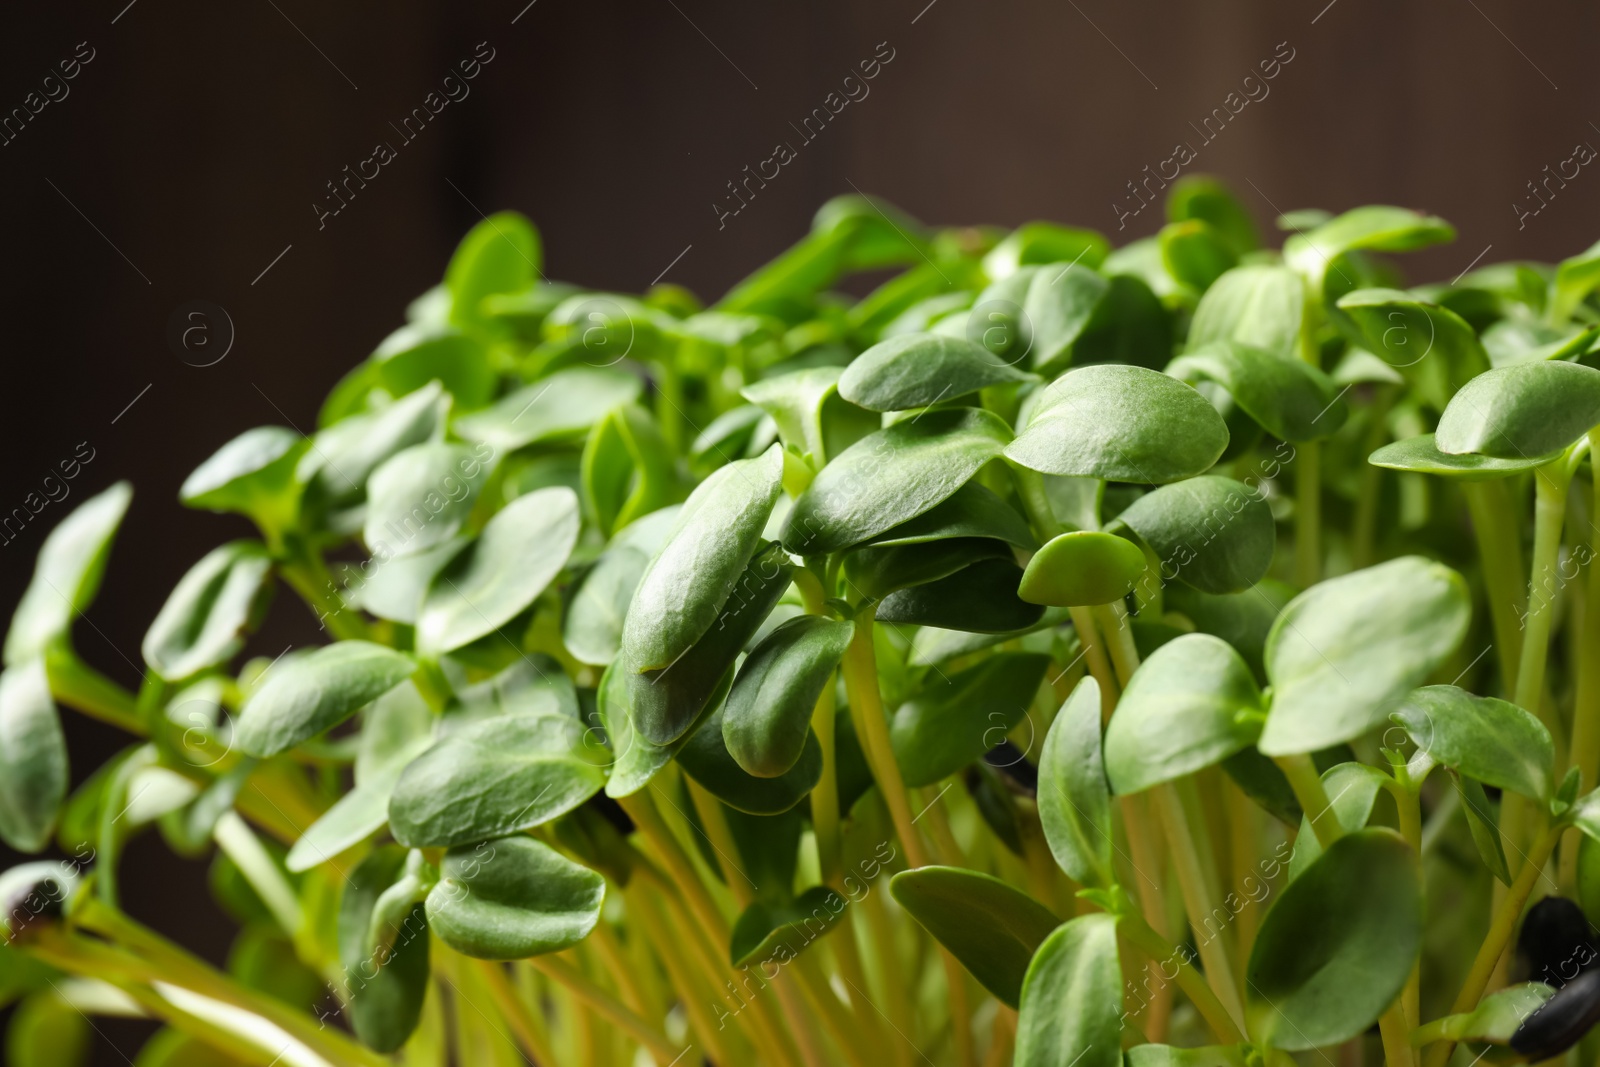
x=183, y=160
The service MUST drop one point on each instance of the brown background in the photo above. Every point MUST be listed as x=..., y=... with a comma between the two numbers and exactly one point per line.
x=190, y=150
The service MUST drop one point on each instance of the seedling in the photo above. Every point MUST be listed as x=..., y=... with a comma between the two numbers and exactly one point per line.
x=918, y=679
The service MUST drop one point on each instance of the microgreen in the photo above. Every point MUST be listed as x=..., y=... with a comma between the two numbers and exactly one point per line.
x=1152, y=624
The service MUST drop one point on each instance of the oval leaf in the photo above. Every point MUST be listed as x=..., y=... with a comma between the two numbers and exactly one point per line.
x=1346, y=651
x=1520, y=411
x=1293, y=400
x=512, y=898
x=1193, y=703
x=385, y=988
x=558, y=408
x=33, y=757
x=1122, y=424
x=422, y=495
x=67, y=574
x=1421, y=454
x=705, y=758
x=1336, y=947
x=1074, y=800
x=1071, y=1011
x=993, y=929
x=918, y=369
x=689, y=582
x=309, y=694
x=209, y=613
x=1491, y=740
x=1210, y=532
x=492, y=777
x=766, y=720
x=592, y=628
x=1083, y=567
x=522, y=548
x=891, y=476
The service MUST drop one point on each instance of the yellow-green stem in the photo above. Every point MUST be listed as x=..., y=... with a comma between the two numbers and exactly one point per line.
x=1500, y=557
x=608, y=1006
x=529, y=1030
x=1138, y=933
x=1307, y=786
x=1308, y=514
x=866, y=711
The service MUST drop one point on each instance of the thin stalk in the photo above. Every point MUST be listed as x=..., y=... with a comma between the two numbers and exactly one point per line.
x=950, y=851
x=1409, y=806
x=866, y=711
x=839, y=1022
x=1499, y=934
x=618, y=967
x=1549, y=513
x=1308, y=514
x=1195, y=867
x=1113, y=621
x=1500, y=557
x=1149, y=869
x=825, y=797
x=805, y=1031
x=1137, y=932
x=715, y=822
x=1585, y=750
x=889, y=972
x=1307, y=786
x=1364, y=523
x=527, y=1027
x=1094, y=652
x=955, y=977
x=1397, y=1050
x=606, y=1005
x=241, y=845
x=302, y=567
x=686, y=983
x=78, y=685
x=1244, y=836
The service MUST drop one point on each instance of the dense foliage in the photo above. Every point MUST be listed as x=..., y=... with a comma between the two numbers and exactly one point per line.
x=906, y=679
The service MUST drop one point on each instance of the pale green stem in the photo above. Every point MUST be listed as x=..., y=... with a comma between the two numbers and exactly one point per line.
x=1307, y=786
x=1500, y=556
x=866, y=711
x=606, y=1005
x=1308, y=514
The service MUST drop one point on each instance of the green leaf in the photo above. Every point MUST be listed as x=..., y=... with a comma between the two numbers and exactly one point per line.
x=1345, y=652
x=1195, y=253
x=872, y=572
x=1576, y=277
x=1044, y=242
x=1352, y=790
x=892, y=476
x=990, y=927
x=501, y=254
x=706, y=759
x=421, y=496
x=767, y=718
x=396, y=728
x=343, y=456
x=1071, y=1003
x=385, y=988
x=392, y=587
x=1058, y=311
x=974, y=510
x=494, y=776
x=813, y=420
x=304, y=696
x=1197, y=196
x=1491, y=740
x=33, y=757
x=636, y=758
x=521, y=550
x=1335, y=949
x=881, y=235
x=1421, y=454
x=771, y=932
x=665, y=704
x=1241, y=619
x=918, y=369
x=422, y=352
x=210, y=612
x=559, y=408
x=1172, y=1056
x=1082, y=567
x=688, y=584
x=254, y=475
x=1210, y=532
x=1122, y=424
x=511, y=898
x=1193, y=703
x=1259, y=305
x=1431, y=347
x=592, y=628
x=626, y=468
x=1293, y=400
x=1499, y=1015
x=1483, y=822
x=975, y=599
x=1374, y=228
x=1074, y=799
x=959, y=717
x=1521, y=411
x=67, y=574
